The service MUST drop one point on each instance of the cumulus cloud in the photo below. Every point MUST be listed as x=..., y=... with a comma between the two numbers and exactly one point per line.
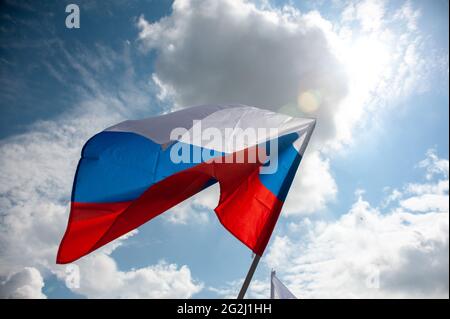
x=232, y=51
x=370, y=252
x=37, y=169
x=292, y=62
x=100, y=278
x=25, y=284
x=313, y=187
x=279, y=58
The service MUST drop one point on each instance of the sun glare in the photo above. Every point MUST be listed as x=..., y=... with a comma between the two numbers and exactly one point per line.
x=367, y=61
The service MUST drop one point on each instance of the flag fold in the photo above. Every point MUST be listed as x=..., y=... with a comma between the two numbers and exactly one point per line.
x=135, y=170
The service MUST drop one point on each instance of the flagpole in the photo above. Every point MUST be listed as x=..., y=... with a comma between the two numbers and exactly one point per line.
x=255, y=262
x=272, y=288
x=249, y=276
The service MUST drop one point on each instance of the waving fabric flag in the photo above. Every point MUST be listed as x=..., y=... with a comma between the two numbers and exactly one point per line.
x=136, y=170
x=278, y=290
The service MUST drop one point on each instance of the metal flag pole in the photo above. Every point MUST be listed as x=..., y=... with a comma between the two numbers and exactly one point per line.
x=249, y=276
x=254, y=264
x=272, y=288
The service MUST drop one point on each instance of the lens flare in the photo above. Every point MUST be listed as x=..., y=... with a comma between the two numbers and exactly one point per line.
x=308, y=101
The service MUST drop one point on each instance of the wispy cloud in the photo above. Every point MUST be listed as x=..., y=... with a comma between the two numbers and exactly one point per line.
x=37, y=169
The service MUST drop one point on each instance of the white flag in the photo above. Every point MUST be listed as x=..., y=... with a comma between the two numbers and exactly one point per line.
x=278, y=290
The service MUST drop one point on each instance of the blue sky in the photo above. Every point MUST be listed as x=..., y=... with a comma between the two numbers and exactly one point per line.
x=134, y=59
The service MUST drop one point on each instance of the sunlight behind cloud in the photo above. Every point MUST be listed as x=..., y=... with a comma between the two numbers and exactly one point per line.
x=367, y=60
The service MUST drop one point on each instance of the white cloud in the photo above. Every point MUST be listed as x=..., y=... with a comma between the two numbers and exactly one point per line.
x=280, y=253
x=234, y=51
x=370, y=14
x=25, y=284
x=197, y=209
x=341, y=257
x=434, y=165
x=231, y=51
x=100, y=278
x=348, y=14
x=426, y=203
x=37, y=169
x=431, y=195
x=409, y=15
x=165, y=91
x=313, y=186
x=387, y=60
x=281, y=59
x=370, y=253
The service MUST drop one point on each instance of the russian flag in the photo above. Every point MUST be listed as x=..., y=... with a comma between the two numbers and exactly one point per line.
x=138, y=169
